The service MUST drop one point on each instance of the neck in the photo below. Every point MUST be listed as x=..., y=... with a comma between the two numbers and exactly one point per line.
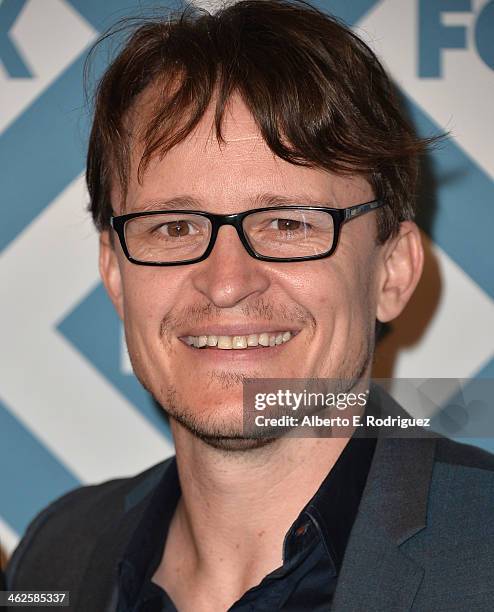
x=236, y=508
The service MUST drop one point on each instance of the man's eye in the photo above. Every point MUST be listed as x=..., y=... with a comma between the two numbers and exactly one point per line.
x=176, y=229
x=286, y=225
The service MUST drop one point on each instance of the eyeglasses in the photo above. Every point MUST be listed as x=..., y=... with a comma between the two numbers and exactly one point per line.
x=281, y=233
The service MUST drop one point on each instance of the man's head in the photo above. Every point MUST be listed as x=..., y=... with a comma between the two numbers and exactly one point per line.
x=264, y=103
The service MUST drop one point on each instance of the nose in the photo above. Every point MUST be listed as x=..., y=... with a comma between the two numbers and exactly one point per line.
x=230, y=275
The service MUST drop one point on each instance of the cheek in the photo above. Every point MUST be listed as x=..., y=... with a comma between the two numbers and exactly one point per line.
x=149, y=295
x=345, y=300
x=141, y=302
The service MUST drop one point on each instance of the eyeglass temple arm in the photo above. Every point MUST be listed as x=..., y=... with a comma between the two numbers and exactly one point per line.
x=361, y=209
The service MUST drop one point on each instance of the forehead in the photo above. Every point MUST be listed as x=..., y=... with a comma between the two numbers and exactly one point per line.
x=235, y=174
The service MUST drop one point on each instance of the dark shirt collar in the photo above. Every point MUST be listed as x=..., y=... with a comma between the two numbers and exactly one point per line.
x=333, y=509
x=329, y=515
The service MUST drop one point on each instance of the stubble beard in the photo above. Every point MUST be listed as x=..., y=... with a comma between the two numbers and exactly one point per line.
x=224, y=436
x=227, y=435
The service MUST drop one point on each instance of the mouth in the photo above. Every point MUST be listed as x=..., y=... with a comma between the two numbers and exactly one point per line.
x=261, y=340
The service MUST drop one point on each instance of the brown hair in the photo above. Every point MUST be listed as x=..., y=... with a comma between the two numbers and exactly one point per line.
x=318, y=94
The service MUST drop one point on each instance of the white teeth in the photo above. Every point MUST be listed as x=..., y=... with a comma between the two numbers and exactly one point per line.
x=264, y=339
x=239, y=342
x=225, y=342
x=252, y=340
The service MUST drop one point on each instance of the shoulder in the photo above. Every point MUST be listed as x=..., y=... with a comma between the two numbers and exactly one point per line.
x=462, y=480
x=449, y=452
x=460, y=503
x=77, y=520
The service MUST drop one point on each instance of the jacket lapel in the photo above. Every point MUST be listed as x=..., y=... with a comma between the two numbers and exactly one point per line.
x=376, y=575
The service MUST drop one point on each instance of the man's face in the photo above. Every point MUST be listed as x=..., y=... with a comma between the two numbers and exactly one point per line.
x=327, y=305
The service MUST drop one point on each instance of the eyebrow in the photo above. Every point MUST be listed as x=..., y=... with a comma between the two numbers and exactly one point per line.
x=266, y=199
x=178, y=203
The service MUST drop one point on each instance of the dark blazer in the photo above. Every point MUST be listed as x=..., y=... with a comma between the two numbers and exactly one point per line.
x=423, y=539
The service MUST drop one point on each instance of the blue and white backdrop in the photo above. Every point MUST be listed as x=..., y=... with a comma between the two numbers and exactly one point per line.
x=71, y=411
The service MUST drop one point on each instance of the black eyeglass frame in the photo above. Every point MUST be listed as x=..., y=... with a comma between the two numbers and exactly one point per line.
x=340, y=217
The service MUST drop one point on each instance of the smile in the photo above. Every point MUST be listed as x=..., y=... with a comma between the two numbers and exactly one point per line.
x=264, y=339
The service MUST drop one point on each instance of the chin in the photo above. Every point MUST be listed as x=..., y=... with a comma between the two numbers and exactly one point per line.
x=230, y=444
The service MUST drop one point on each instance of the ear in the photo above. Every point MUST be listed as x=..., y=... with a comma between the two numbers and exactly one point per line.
x=110, y=271
x=402, y=268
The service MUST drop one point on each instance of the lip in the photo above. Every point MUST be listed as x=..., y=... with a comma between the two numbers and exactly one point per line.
x=238, y=330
